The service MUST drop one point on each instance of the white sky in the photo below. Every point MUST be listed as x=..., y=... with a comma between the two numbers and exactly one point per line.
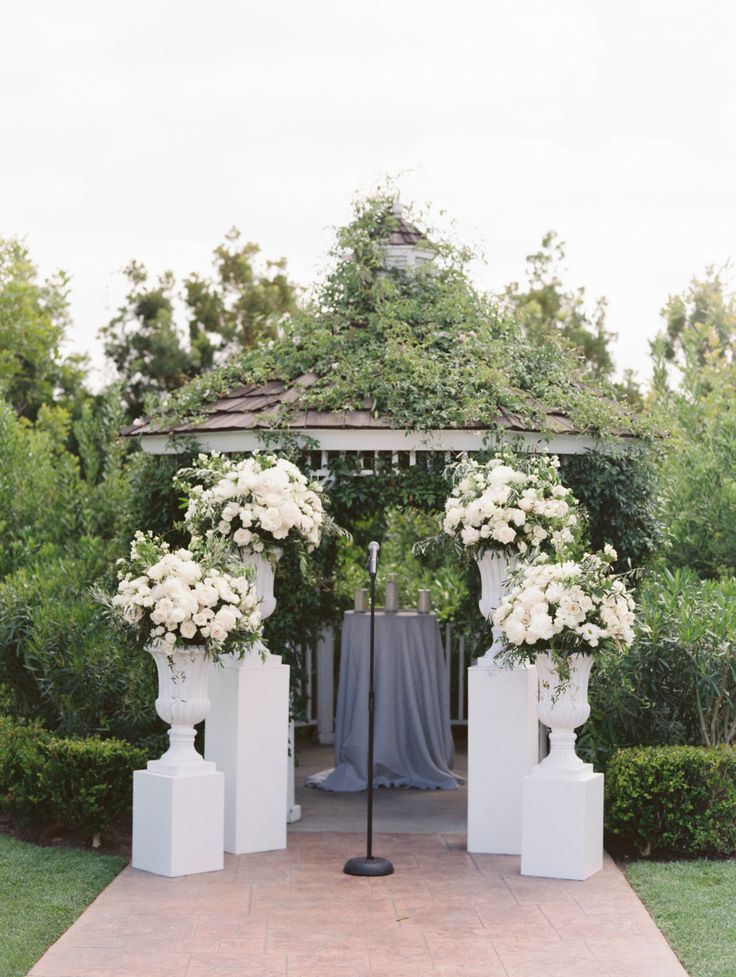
x=147, y=129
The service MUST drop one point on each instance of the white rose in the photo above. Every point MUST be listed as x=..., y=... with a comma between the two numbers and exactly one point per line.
x=469, y=535
x=271, y=520
x=517, y=516
x=503, y=533
x=188, y=629
x=226, y=617
x=217, y=632
x=515, y=631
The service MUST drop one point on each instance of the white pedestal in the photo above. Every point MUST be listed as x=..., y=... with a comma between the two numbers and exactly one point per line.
x=246, y=735
x=293, y=810
x=178, y=822
x=562, y=833
x=502, y=749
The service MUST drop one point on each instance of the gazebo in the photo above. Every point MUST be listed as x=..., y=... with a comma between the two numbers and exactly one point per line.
x=402, y=308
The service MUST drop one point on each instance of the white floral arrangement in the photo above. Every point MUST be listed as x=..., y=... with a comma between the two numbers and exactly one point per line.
x=513, y=503
x=179, y=598
x=257, y=503
x=569, y=607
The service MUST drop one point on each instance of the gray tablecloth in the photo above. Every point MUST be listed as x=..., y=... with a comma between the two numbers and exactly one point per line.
x=413, y=743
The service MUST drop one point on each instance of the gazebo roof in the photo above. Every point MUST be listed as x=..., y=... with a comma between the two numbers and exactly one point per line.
x=241, y=416
x=395, y=356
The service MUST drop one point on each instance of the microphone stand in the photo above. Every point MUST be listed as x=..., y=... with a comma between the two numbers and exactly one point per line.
x=370, y=865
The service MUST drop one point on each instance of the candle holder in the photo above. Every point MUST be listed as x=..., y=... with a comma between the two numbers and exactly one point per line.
x=423, y=602
x=391, y=602
x=361, y=600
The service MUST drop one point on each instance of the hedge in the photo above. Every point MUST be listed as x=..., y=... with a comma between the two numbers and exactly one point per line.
x=82, y=784
x=673, y=799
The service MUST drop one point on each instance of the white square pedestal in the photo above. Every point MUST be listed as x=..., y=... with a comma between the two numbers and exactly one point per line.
x=503, y=746
x=562, y=834
x=178, y=822
x=247, y=737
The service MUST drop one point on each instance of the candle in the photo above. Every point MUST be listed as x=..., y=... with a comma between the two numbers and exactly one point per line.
x=423, y=603
x=361, y=600
x=392, y=593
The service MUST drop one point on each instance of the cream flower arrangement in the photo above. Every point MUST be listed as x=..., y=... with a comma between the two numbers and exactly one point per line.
x=513, y=503
x=260, y=502
x=181, y=598
x=567, y=608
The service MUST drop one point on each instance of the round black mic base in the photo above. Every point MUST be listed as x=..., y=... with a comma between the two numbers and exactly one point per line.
x=368, y=866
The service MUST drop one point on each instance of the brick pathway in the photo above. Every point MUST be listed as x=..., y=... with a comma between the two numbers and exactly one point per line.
x=294, y=914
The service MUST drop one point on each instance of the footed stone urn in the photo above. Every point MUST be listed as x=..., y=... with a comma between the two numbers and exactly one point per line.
x=494, y=567
x=563, y=706
x=182, y=702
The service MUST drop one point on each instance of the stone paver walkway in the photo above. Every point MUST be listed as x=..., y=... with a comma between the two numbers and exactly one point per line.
x=444, y=913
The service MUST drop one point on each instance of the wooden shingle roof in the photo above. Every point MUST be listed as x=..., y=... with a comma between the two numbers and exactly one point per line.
x=276, y=404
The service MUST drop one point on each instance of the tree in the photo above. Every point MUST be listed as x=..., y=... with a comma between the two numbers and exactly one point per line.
x=544, y=308
x=163, y=335
x=700, y=324
x=34, y=318
x=694, y=393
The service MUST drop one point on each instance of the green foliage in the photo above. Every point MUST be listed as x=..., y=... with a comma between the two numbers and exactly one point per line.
x=153, y=503
x=424, y=348
x=673, y=799
x=677, y=683
x=82, y=784
x=439, y=573
x=700, y=324
x=545, y=309
x=65, y=662
x=42, y=498
x=42, y=892
x=694, y=396
x=700, y=478
x=34, y=318
x=154, y=353
x=620, y=492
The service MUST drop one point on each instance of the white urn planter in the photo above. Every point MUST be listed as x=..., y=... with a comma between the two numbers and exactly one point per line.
x=562, y=819
x=182, y=702
x=503, y=731
x=563, y=707
x=247, y=732
x=178, y=801
x=494, y=567
x=264, y=566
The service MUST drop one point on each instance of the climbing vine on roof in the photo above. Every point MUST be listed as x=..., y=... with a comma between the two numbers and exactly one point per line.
x=423, y=347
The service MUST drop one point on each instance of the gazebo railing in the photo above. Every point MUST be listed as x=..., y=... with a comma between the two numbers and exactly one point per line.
x=320, y=675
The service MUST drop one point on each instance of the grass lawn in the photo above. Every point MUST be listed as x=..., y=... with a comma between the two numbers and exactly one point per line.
x=42, y=891
x=694, y=904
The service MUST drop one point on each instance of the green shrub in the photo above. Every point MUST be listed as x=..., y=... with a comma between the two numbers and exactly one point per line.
x=65, y=663
x=677, y=682
x=621, y=494
x=82, y=784
x=679, y=799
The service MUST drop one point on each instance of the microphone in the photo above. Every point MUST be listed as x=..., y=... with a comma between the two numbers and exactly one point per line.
x=373, y=558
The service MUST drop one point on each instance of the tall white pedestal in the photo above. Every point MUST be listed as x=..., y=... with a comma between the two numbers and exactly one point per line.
x=293, y=810
x=562, y=833
x=178, y=822
x=246, y=736
x=502, y=749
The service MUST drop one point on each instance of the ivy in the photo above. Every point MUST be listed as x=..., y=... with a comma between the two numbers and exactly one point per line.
x=425, y=348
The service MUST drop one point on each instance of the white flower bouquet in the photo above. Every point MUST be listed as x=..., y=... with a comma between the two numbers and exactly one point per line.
x=180, y=598
x=259, y=503
x=568, y=608
x=512, y=503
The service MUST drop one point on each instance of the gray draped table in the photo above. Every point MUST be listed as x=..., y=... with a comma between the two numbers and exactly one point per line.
x=413, y=743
